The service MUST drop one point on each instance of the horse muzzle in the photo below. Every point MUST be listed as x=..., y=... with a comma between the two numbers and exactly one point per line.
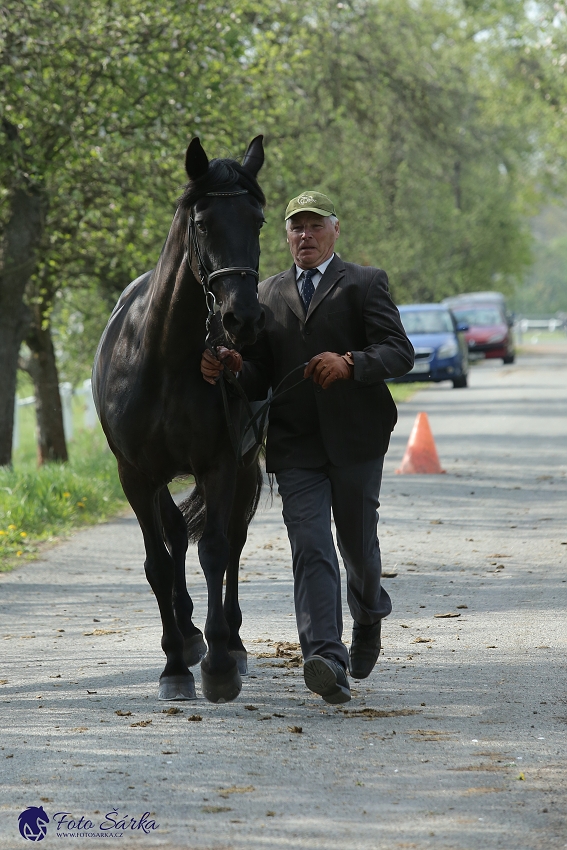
x=243, y=326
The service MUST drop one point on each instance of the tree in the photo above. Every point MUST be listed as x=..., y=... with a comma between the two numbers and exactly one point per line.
x=20, y=239
x=396, y=111
x=434, y=126
x=93, y=98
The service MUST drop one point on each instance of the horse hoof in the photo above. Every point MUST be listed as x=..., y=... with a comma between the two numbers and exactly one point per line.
x=177, y=688
x=241, y=658
x=194, y=649
x=223, y=688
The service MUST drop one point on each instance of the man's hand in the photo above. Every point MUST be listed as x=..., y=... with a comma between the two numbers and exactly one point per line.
x=328, y=367
x=212, y=366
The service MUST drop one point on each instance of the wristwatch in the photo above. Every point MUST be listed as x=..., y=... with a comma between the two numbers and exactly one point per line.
x=349, y=359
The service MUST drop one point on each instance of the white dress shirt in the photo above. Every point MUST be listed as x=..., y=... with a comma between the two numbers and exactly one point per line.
x=316, y=277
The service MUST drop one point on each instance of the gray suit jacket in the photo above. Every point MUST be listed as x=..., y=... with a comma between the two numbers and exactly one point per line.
x=351, y=421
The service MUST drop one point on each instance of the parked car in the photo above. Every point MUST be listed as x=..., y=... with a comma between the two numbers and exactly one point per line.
x=441, y=352
x=490, y=324
x=489, y=296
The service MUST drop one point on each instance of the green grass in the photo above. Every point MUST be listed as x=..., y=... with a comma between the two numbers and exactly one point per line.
x=40, y=504
x=403, y=392
x=542, y=337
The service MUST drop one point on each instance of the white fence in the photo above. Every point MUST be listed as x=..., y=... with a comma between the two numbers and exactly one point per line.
x=66, y=392
x=524, y=325
x=550, y=325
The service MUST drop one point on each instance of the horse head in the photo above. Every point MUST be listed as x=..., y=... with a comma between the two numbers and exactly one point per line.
x=225, y=206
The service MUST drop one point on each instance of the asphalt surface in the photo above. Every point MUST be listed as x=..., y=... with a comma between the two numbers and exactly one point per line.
x=457, y=740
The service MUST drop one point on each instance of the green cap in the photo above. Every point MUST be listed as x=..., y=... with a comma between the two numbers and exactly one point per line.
x=310, y=202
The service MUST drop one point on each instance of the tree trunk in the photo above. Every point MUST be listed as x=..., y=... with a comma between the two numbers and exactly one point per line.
x=21, y=238
x=42, y=367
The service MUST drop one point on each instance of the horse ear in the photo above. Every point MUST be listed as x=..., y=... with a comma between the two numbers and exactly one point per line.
x=254, y=156
x=196, y=161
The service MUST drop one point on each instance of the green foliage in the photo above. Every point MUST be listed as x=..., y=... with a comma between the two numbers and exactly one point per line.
x=397, y=114
x=97, y=103
x=39, y=504
x=435, y=127
x=545, y=288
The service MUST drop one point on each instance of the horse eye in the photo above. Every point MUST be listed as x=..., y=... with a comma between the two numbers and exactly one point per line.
x=201, y=227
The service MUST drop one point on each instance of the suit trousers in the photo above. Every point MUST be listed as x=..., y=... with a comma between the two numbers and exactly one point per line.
x=308, y=498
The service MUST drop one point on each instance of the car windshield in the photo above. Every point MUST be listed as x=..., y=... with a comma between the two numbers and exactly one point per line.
x=482, y=317
x=426, y=321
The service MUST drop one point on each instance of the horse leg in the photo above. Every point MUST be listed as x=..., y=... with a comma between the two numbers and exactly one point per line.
x=246, y=487
x=176, y=681
x=175, y=529
x=219, y=672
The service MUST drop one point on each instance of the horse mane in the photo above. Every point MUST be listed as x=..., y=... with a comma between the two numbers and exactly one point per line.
x=222, y=175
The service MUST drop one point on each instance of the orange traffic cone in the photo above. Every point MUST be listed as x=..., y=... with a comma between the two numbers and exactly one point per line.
x=421, y=455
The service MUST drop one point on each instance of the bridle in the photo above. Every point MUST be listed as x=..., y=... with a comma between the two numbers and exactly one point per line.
x=257, y=421
x=206, y=275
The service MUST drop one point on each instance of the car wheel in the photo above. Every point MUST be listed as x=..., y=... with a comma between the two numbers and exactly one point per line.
x=508, y=359
x=460, y=382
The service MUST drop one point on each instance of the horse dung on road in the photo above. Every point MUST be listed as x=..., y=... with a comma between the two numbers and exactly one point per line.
x=161, y=419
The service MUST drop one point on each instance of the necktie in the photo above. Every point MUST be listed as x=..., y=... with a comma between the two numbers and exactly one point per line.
x=308, y=288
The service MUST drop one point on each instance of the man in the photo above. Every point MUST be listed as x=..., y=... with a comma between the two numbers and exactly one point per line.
x=327, y=437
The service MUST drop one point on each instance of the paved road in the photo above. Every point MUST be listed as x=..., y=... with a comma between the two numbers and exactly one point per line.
x=456, y=741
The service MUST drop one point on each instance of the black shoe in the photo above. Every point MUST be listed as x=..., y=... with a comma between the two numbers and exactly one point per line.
x=326, y=677
x=364, y=649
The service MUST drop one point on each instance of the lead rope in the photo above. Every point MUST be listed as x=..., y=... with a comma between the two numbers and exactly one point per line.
x=257, y=420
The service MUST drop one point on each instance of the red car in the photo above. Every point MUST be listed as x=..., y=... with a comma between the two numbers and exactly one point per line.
x=489, y=334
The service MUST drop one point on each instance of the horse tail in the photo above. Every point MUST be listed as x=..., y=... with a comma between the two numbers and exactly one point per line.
x=254, y=503
x=195, y=513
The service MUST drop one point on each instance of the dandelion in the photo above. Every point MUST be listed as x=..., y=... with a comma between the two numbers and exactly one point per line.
x=19, y=552
x=23, y=534
x=80, y=504
x=66, y=495
x=11, y=528
x=2, y=532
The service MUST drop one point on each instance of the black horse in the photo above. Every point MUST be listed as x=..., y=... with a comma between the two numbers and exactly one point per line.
x=163, y=420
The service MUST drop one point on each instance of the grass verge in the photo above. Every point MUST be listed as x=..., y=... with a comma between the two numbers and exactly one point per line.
x=403, y=392
x=38, y=505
